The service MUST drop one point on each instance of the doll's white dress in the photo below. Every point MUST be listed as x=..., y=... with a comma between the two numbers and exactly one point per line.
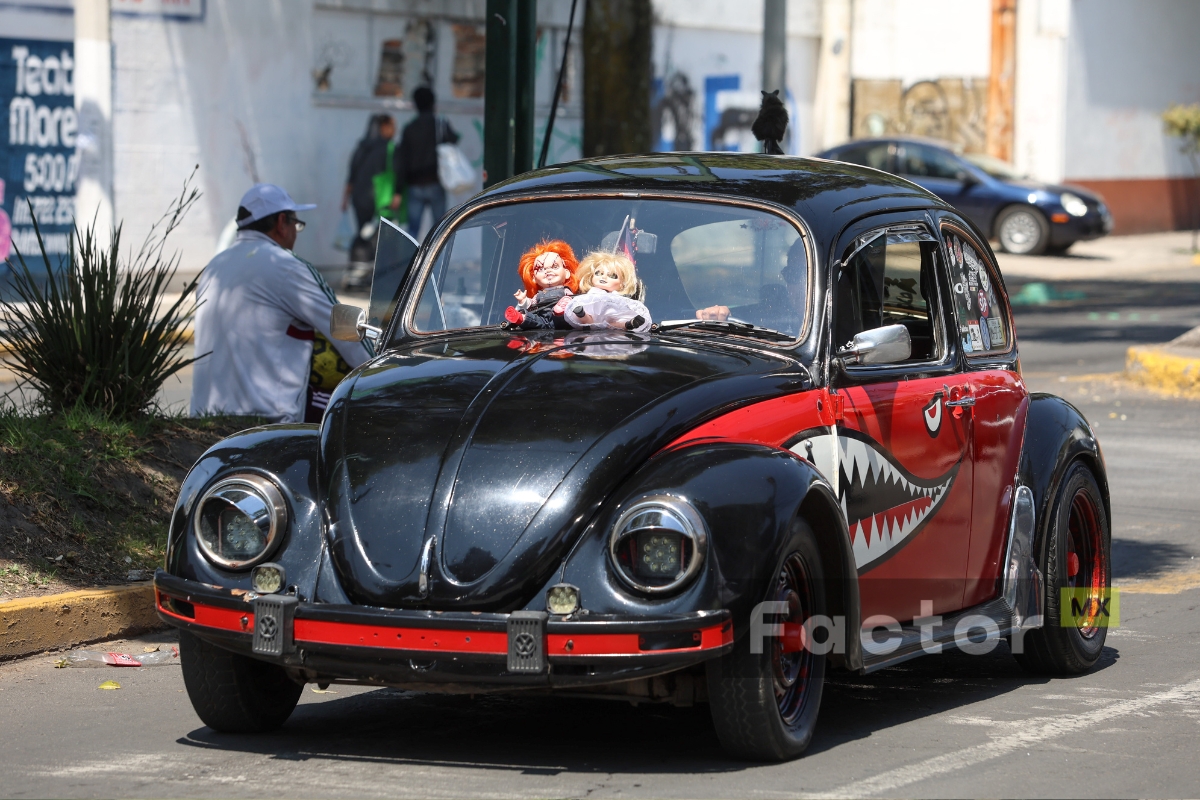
x=597, y=309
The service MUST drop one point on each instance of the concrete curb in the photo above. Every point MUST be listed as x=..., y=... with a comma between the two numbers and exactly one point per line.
x=1167, y=369
x=38, y=624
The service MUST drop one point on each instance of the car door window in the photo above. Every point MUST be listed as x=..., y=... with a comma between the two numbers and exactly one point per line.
x=982, y=316
x=891, y=281
x=874, y=155
x=928, y=162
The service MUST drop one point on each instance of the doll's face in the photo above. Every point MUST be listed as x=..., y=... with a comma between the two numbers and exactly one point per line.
x=550, y=271
x=608, y=279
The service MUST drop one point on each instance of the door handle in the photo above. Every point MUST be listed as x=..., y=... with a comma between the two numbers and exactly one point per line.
x=962, y=402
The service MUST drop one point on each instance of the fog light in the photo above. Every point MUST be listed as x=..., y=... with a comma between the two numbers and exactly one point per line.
x=268, y=578
x=562, y=598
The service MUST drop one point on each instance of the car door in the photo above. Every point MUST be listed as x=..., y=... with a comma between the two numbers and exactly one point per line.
x=944, y=174
x=903, y=446
x=1000, y=399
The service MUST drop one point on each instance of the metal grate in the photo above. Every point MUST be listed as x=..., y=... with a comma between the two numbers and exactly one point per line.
x=527, y=642
x=273, y=619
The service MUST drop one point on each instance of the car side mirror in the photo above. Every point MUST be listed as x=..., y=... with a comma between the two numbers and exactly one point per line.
x=885, y=345
x=348, y=323
x=968, y=179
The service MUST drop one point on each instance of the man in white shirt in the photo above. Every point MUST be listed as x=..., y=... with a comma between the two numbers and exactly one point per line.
x=260, y=310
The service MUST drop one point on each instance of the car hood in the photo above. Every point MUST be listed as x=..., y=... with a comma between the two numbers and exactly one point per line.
x=1053, y=188
x=477, y=460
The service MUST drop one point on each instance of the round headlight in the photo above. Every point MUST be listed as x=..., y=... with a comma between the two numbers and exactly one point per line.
x=658, y=545
x=1073, y=204
x=240, y=520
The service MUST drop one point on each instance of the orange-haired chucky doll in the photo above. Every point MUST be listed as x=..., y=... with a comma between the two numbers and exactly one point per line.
x=550, y=273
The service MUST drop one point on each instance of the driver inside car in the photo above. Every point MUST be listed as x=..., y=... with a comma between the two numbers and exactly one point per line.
x=780, y=305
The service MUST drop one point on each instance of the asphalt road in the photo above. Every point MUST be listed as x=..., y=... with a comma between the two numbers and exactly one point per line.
x=951, y=725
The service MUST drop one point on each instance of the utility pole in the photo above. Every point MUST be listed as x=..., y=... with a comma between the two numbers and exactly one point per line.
x=93, y=105
x=774, y=72
x=508, y=89
x=616, y=76
x=831, y=107
x=1002, y=80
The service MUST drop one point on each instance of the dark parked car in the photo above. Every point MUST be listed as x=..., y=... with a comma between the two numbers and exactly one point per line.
x=840, y=467
x=1027, y=217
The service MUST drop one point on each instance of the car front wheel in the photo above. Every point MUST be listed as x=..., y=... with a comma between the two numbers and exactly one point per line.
x=1078, y=574
x=1022, y=230
x=764, y=705
x=234, y=693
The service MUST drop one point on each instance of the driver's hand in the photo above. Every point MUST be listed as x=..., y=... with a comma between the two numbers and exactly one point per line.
x=720, y=313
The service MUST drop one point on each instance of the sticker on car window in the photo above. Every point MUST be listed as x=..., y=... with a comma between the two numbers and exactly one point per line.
x=976, y=299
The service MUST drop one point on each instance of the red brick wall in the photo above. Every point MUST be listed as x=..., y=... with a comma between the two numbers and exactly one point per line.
x=1146, y=205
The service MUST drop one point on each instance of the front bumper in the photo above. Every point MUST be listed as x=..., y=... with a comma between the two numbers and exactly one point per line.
x=464, y=651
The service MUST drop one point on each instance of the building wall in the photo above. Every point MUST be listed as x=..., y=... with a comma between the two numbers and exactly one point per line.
x=708, y=73
x=1126, y=63
x=282, y=93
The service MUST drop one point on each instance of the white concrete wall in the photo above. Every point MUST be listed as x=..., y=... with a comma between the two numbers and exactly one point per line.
x=722, y=41
x=1126, y=62
x=916, y=40
x=234, y=93
x=1039, y=125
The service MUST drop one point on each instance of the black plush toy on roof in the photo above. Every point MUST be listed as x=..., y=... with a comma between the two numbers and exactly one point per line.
x=771, y=123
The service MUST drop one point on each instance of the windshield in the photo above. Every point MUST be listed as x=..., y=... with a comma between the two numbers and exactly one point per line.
x=687, y=260
x=994, y=166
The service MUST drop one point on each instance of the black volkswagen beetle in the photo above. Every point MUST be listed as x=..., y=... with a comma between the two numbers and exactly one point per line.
x=820, y=455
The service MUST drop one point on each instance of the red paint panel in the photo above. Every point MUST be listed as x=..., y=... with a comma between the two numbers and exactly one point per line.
x=225, y=619
x=1001, y=404
x=770, y=423
x=610, y=644
x=423, y=639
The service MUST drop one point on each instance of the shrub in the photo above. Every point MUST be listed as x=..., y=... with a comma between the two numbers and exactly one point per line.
x=91, y=335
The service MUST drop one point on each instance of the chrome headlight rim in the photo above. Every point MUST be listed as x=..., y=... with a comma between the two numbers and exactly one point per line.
x=694, y=529
x=269, y=493
x=1073, y=204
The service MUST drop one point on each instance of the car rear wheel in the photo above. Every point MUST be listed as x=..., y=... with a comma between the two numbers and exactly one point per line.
x=1077, y=570
x=1022, y=230
x=764, y=705
x=234, y=693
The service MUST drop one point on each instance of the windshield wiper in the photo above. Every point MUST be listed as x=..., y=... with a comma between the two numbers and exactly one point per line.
x=730, y=325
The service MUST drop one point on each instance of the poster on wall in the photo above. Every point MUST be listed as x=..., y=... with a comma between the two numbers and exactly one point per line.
x=38, y=162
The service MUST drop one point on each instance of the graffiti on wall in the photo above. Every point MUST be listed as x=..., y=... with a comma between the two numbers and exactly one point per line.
x=953, y=109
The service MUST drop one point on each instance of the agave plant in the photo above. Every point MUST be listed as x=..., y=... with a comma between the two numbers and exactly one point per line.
x=91, y=334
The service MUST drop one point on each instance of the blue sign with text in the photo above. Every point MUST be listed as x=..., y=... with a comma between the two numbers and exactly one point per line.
x=39, y=164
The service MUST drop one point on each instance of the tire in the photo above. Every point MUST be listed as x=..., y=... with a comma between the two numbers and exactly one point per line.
x=1078, y=555
x=234, y=693
x=1022, y=230
x=764, y=706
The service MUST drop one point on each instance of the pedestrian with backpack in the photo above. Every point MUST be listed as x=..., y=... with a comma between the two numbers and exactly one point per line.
x=418, y=158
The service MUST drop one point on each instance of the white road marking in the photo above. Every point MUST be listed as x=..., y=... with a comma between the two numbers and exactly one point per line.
x=1033, y=731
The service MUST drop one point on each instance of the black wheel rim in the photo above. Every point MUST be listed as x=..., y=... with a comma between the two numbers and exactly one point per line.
x=1086, y=562
x=791, y=661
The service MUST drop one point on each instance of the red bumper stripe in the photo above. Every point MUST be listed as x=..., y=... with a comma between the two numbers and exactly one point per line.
x=359, y=635
x=225, y=619
x=354, y=634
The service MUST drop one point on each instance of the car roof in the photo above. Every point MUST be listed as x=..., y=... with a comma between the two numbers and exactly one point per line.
x=827, y=194
x=927, y=140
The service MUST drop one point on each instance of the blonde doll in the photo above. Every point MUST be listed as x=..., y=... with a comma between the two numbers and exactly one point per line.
x=608, y=283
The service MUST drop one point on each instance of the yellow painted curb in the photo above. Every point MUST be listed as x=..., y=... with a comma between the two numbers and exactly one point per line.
x=1167, y=370
x=188, y=337
x=1171, y=583
x=64, y=620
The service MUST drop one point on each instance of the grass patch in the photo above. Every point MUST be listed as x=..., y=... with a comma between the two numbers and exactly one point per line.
x=85, y=499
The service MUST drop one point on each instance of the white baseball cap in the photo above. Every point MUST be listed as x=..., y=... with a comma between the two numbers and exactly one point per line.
x=263, y=200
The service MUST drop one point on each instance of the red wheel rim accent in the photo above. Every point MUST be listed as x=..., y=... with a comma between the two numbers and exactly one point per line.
x=1087, y=567
x=790, y=667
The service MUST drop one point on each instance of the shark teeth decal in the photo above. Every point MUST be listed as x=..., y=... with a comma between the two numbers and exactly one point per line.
x=884, y=504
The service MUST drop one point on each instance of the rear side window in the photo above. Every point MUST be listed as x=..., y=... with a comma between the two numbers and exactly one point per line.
x=982, y=316
x=927, y=162
x=890, y=282
x=873, y=155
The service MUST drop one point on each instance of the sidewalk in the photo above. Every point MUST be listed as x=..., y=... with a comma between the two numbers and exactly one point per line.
x=1156, y=257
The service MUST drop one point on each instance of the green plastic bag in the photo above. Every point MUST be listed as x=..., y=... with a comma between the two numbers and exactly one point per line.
x=385, y=190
